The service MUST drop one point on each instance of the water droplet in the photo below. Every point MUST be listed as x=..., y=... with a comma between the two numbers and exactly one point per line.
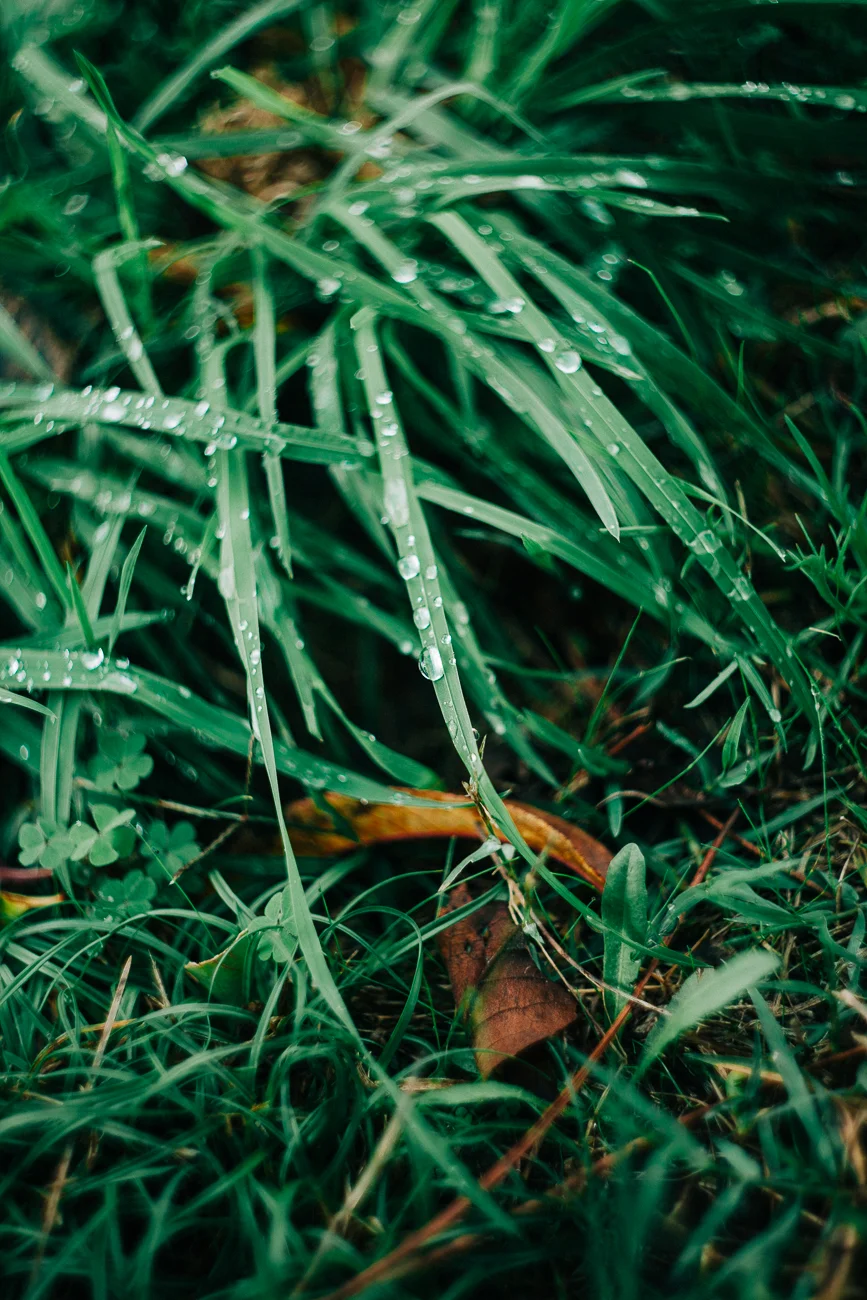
x=625, y=177
x=226, y=582
x=431, y=664
x=383, y=398
x=742, y=589
x=568, y=362
x=76, y=202
x=421, y=618
x=172, y=164
x=397, y=504
x=502, y=305
x=91, y=659
x=408, y=567
x=406, y=273
x=706, y=543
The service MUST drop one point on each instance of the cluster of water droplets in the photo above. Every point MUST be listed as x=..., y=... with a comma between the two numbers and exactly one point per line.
x=66, y=668
x=785, y=92
x=220, y=429
x=166, y=166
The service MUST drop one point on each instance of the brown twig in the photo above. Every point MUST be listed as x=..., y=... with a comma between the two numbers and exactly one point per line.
x=405, y=1257
x=227, y=830
x=715, y=822
x=619, y=745
x=23, y=875
x=110, y=1021
x=709, y=858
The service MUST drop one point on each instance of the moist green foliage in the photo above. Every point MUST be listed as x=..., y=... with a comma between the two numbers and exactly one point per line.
x=521, y=345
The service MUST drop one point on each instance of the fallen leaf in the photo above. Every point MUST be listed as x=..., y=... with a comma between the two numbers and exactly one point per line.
x=58, y=353
x=315, y=834
x=268, y=176
x=511, y=1004
x=223, y=974
x=15, y=905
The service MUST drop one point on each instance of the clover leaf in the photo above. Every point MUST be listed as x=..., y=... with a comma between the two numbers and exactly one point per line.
x=171, y=849
x=121, y=761
x=117, y=900
x=44, y=842
x=111, y=839
x=278, y=936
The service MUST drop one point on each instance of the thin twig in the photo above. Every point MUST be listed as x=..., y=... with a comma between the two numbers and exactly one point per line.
x=99, y=1054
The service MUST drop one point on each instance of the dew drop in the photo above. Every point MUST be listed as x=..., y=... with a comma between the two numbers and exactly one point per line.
x=406, y=273
x=431, y=664
x=408, y=567
x=568, y=362
x=397, y=504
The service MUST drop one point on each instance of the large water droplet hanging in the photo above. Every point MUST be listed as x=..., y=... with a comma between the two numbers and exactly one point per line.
x=431, y=664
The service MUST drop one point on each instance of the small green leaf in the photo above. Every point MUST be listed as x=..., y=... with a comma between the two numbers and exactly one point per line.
x=31, y=839
x=44, y=842
x=278, y=938
x=121, y=762
x=170, y=849
x=116, y=900
x=732, y=742
x=704, y=994
x=224, y=975
x=539, y=553
x=113, y=838
x=126, y=575
x=624, y=909
x=80, y=608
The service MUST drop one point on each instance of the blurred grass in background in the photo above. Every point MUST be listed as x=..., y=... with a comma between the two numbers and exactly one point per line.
x=523, y=346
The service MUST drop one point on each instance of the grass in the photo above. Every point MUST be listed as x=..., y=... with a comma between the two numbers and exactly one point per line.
x=525, y=346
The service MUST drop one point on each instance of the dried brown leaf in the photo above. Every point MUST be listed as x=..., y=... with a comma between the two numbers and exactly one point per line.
x=511, y=1004
x=315, y=834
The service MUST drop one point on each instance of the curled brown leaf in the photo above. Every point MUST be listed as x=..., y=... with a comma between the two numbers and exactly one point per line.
x=433, y=814
x=510, y=1003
